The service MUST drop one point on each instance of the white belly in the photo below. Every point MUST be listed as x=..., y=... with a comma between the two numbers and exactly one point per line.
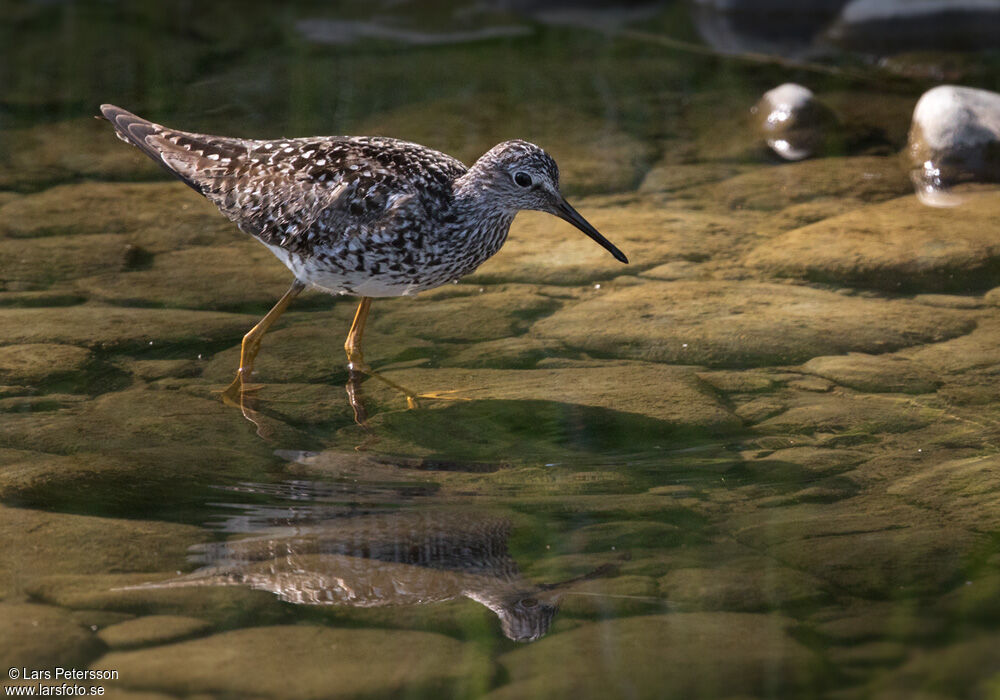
x=343, y=282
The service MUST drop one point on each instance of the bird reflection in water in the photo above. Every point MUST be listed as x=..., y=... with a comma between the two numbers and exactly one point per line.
x=387, y=559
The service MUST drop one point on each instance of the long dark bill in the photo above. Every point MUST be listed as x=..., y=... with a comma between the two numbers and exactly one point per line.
x=567, y=213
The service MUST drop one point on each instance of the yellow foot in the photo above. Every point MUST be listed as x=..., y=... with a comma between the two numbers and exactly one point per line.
x=232, y=395
x=443, y=395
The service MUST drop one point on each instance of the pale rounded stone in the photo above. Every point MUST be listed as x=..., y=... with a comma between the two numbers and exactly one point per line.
x=792, y=121
x=954, y=137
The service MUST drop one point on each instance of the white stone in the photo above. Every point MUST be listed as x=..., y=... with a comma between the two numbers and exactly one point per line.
x=860, y=11
x=951, y=116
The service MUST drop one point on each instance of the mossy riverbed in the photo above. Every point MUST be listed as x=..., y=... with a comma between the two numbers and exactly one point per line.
x=762, y=460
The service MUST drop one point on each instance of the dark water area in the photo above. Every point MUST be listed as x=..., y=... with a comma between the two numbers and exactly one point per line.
x=760, y=461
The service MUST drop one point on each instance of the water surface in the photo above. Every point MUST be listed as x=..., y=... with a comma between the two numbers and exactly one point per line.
x=760, y=461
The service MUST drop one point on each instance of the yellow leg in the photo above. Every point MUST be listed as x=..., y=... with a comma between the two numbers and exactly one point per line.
x=356, y=360
x=251, y=341
x=352, y=346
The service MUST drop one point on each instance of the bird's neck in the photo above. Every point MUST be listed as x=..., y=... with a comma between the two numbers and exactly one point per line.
x=480, y=217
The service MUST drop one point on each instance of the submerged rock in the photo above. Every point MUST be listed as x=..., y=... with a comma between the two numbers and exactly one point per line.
x=954, y=138
x=741, y=586
x=896, y=246
x=741, y=324
x=114, y=327
x=830, y=185
x=41, y=636
x=544, y=250
x=888, y=26
x=151, y=629
x=673, y=395
x=70, y=150
x=593, y=156
x=37, y=363
x=967, y=490
x=780, y=27
x=875, y=373
x=305, y=662
x=793, y=122
x=681, y=655
x=38, y=544
x=863, y=546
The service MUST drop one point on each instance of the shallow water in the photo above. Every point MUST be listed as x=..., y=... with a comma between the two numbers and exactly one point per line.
x=760, y=461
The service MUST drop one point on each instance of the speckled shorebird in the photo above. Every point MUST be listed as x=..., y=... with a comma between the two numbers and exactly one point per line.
x=358, y=215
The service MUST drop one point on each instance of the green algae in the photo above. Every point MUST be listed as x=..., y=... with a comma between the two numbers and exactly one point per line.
x=769, y=512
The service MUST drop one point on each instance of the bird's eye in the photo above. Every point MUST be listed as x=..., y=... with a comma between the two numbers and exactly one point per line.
x=522, y=179
x=529, y=602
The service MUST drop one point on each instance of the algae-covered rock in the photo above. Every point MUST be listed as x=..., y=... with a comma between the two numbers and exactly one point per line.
x=846, y=182
x=238, y=276
x=68, y=150
x=669, y=394
x=503, y=353
x=618, y=596
x=978, y=350
x=741, y=587
x=106, y=327
x=825, y=413
x=150, y=630
x=224, y=607
x=309, y=347
x=40, y=362
x=42, y=637
x=669, y=175
x=897, y=246
x=41, y=544
x=805, y=460
x=44, y=262
x=875, y=373
x=490, y=314
x=159, y=217
x=145, y=425
x=593, y=156
x=967, y=668
x=742, y=324
x=541, y=249
x=308, y=663
x=681, y=655
x=968, y=490
x=862, y=546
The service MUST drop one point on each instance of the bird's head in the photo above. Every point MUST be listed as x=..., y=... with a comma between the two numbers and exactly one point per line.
x=520, y=175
